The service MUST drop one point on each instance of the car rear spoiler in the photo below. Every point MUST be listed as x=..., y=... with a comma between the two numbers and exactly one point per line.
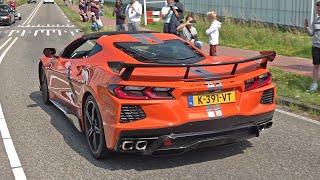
x=118, y=66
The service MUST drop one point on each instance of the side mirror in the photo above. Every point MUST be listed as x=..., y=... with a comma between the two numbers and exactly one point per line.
x=49, y=52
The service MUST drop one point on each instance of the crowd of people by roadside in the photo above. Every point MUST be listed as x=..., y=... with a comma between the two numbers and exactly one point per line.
x=172, y=16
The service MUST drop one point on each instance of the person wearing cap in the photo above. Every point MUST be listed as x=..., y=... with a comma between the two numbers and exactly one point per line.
x=314, y=32
x=134, y=13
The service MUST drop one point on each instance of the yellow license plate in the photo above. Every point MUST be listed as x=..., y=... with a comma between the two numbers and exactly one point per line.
x=211, y=99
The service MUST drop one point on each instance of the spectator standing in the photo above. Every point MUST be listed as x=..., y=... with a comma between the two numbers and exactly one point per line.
x=178, y=10
x=166, y=14
x=120, y=13
x=213, y=32
x=189, y=32
x=314, y=31
x=83, y=11
x=95, y=8
x=134, y=13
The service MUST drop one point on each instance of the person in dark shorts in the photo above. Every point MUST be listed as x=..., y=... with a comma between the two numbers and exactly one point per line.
x=120, y=13
x=314, y=31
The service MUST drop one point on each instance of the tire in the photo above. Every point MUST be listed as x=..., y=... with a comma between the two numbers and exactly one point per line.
x=94, y=129
x=44, y=87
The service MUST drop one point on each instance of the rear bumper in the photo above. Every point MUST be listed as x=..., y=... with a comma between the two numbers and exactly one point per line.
x=179, y=139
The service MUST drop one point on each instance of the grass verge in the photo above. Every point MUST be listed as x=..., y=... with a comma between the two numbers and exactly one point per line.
x=289, y=85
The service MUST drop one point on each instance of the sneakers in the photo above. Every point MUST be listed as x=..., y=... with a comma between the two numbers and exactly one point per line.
x=314, y=87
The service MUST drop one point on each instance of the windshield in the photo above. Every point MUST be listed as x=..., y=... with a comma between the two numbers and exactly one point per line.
x=168, y=52
x=4, y=8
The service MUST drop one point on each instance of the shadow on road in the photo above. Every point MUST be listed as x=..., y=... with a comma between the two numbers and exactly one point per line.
x=77, y=142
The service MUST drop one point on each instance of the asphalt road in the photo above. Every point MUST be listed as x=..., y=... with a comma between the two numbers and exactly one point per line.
x=49, y=147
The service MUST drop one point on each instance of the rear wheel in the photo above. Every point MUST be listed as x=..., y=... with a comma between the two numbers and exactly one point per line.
x=44, y=87
x=94, y=129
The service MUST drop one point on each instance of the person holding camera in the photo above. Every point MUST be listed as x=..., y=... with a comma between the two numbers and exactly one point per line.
x=314, y=31
x=166, y=14
x=189, y=32
x=134, y=13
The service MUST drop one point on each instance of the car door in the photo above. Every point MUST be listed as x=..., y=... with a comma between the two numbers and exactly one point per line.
x=64, y=67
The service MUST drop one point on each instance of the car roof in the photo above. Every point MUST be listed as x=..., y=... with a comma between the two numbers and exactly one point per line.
x=98, y=35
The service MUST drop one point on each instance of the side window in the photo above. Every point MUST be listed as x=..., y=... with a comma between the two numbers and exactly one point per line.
x=96, y=48
x=83, y=50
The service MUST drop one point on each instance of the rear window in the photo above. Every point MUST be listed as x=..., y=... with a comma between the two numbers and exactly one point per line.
x=168, y=52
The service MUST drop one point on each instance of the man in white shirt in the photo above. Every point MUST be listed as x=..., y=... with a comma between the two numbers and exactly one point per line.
x=166, y=14
x=134, y=13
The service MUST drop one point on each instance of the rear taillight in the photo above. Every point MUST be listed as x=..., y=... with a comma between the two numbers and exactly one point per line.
x=140, y=93
x=259, y=81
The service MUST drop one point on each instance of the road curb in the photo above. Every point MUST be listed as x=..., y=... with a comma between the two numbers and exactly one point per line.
x=288, y=101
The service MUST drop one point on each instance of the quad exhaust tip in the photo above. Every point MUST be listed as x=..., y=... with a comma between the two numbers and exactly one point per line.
x=141, y=145
x=131, y=145
x=265, y=126
x=127, y=145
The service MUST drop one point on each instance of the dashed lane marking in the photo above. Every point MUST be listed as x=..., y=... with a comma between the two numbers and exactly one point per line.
x=35, y=33
x=23, y=32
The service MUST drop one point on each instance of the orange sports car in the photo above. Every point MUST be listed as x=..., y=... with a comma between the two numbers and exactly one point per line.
x=154, y=93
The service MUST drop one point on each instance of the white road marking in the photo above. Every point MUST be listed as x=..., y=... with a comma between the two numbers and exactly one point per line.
x=298, y=116
x=32, y=13
x=7, y=49
x=54, y=31
x=59, y=32
x=11, y=32
x=15, y=163
x=35, y=32
x=72, y=33
x=48, y=33
x=23, y=32
x=5, y=43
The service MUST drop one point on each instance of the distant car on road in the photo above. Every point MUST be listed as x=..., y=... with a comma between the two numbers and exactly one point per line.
x=7, y=16
x=48, y=1
x=31, y=1
x=152, y=93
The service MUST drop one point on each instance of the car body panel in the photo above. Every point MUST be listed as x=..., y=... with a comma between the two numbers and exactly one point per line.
x=92, y=75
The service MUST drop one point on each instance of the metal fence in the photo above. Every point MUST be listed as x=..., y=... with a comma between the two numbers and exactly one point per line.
x=282, y=12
